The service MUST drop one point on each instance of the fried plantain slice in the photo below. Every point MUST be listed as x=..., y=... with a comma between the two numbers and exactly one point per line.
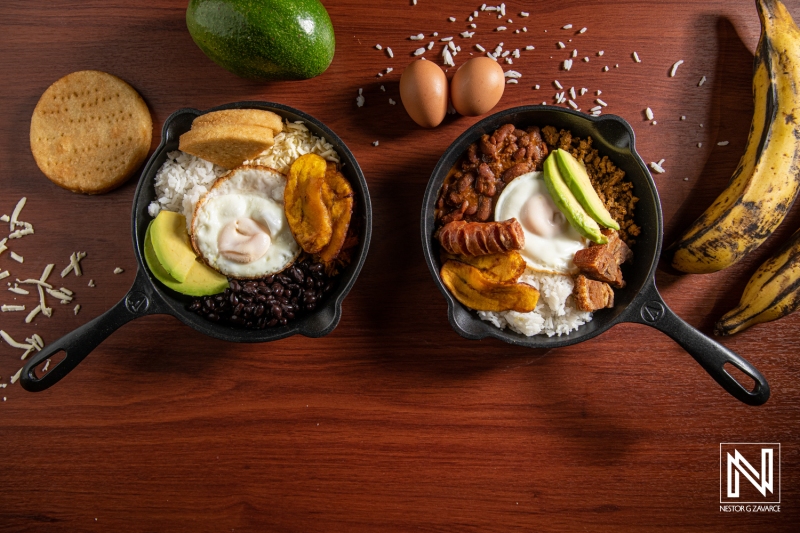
x=308, y=216
x=337, y=194
x=502, y=268
x=476, y=291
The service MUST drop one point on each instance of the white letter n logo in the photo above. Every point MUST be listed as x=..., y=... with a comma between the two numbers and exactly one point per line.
x=762, y=483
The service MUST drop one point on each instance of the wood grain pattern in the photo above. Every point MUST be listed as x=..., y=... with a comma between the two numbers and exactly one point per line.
x=392, y=422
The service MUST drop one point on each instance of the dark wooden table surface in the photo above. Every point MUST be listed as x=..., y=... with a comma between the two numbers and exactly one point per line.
x=392, y=422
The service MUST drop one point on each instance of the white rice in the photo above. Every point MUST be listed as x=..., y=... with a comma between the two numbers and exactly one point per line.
x=183, y=178
x=181, y=181
x=555, y=312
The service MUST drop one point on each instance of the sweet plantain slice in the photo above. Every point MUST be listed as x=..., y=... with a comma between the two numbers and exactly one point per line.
x=308, y=217
x=502, y=268
x=476, y=291
x=337, y=194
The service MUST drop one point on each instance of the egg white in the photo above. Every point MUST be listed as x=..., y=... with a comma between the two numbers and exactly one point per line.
x=547, y=254
x=246, y=192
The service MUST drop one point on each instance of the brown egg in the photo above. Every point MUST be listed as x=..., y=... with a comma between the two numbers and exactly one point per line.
x=423, y=90
x=477, y=86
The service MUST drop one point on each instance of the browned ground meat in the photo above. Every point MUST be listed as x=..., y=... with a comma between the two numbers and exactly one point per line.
x=609, y=181
x=469, y=190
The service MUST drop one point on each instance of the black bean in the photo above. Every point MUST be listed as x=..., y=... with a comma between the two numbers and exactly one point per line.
x=283, y=321
x=259, y=310
x=272, y=323
x=269, y=279
x=297, y=274
x=276, y=311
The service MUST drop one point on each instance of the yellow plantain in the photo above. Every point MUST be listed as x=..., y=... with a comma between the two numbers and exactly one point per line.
x=767, y=180
x=772, y=292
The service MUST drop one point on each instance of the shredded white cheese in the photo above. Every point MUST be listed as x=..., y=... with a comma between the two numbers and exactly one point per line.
x=16, y=212
x=74, y=264
x=32, y=314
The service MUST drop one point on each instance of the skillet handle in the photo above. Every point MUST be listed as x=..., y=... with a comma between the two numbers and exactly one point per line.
x=711, y=355
x=139, y=301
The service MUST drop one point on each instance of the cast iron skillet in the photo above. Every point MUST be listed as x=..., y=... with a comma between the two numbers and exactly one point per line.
x=148, y=296
x=639, y=301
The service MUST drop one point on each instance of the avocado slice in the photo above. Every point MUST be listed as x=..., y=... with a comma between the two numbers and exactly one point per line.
x=568, y=204
x=171, y=244
x=200, y=281
x=576, y=178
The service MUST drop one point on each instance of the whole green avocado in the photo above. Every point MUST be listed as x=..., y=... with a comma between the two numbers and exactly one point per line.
x=264, y=39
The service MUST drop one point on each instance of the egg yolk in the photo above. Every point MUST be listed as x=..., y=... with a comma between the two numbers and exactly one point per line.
x=541, y=216
x=243, y=241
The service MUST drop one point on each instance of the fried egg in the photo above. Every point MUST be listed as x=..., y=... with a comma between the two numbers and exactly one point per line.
x=239, y=227
x=550, y=240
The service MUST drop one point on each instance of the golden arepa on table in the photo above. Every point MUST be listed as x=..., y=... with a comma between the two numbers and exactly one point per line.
x=90, y=132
